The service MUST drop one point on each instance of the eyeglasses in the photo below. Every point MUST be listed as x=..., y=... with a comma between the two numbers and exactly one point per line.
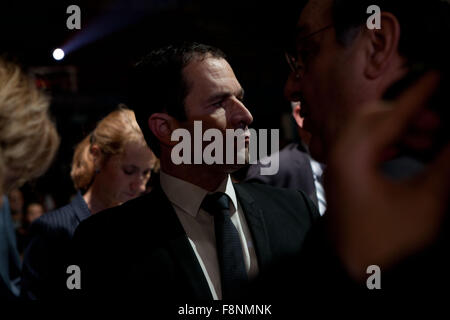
x=292, y=59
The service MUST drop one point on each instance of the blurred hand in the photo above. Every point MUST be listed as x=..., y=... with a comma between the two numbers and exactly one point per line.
x=374, y=219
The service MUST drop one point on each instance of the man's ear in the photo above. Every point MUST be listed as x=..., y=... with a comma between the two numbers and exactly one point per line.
x=383, y=45
x=162, y=125
x=305, y=136
x=296, y=113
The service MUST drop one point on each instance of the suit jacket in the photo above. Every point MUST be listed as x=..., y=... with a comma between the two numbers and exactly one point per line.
x=140, y=250
x=295, y=171
x=9, y=256
x=44, y=265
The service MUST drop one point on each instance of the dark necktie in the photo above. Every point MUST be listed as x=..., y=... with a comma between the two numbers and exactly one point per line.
x=229, y=250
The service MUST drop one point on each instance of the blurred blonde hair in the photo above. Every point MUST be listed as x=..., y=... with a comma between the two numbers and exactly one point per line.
x=111, y=135
x=28, y=138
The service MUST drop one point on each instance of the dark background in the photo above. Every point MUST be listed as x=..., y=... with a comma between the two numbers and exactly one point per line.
x=91, y=80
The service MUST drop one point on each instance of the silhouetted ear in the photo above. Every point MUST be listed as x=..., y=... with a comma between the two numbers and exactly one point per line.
x=296, y=114
x=162, y=125
x=305, y=136
x=383, y=45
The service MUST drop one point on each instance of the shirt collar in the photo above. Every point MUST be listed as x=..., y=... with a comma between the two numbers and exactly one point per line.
x=317, y=168
x=189, y=197
x=80, y=207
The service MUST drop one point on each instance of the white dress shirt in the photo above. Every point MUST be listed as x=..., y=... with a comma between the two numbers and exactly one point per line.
x=317, y=169
x=186, y=198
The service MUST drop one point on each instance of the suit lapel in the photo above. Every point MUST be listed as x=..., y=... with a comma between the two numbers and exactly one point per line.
x=182, y=251
x=256, y=224
x=180, y=248
x=80, y=207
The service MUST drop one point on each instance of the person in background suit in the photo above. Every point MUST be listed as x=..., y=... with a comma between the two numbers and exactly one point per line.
x=298, y=171
x=200, y=236
x=16, y=203
x=33, y=211
x=28, y=144
x=110, y=166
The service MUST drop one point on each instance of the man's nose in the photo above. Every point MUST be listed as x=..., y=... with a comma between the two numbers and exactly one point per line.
x=241, y=116
x=292, y=89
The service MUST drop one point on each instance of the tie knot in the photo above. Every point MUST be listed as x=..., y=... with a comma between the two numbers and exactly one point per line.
x=216, y=202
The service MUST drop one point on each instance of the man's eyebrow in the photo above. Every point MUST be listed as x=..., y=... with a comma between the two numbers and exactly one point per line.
x=223, y=95
x=218, y=97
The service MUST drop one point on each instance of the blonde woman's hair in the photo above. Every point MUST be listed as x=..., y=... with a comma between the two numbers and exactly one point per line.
x=28, y=138
x=111, y=135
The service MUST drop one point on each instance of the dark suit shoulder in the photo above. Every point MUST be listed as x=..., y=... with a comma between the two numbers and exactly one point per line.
x=285, y=215
x=294, y=171
x=59, y=221
x=62, y=221
x=293, y=152
x=265, y=192
x=107, y=243
x=290, y=159
x=112, y=215
x=281, y=199
x=123, y=217
x=264, y=188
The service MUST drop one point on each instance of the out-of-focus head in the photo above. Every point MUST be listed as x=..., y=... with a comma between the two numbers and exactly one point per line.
x=16, y=201
x=344, y=65
x=114, y=156
x=177, y=85
x=34, y=210
x=28, y=138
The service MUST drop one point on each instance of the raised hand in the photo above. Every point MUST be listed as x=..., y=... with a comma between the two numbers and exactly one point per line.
x=373, y=218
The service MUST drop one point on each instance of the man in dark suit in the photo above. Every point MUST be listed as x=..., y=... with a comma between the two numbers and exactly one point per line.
x=297, y=170
x=198, y=236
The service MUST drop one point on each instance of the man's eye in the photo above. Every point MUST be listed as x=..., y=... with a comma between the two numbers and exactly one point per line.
x=219, y=104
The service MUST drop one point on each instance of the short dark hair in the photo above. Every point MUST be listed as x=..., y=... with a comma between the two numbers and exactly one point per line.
x=424, y=26
x=158, y=85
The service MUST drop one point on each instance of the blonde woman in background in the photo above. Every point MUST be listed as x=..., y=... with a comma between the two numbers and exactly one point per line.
x=28, y=143
x=110, y=166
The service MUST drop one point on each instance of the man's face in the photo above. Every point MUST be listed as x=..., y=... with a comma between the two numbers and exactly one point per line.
x=328, y=84
x=215, y=97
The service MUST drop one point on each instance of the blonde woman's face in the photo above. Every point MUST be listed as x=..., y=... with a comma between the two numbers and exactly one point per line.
x=124, y=176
